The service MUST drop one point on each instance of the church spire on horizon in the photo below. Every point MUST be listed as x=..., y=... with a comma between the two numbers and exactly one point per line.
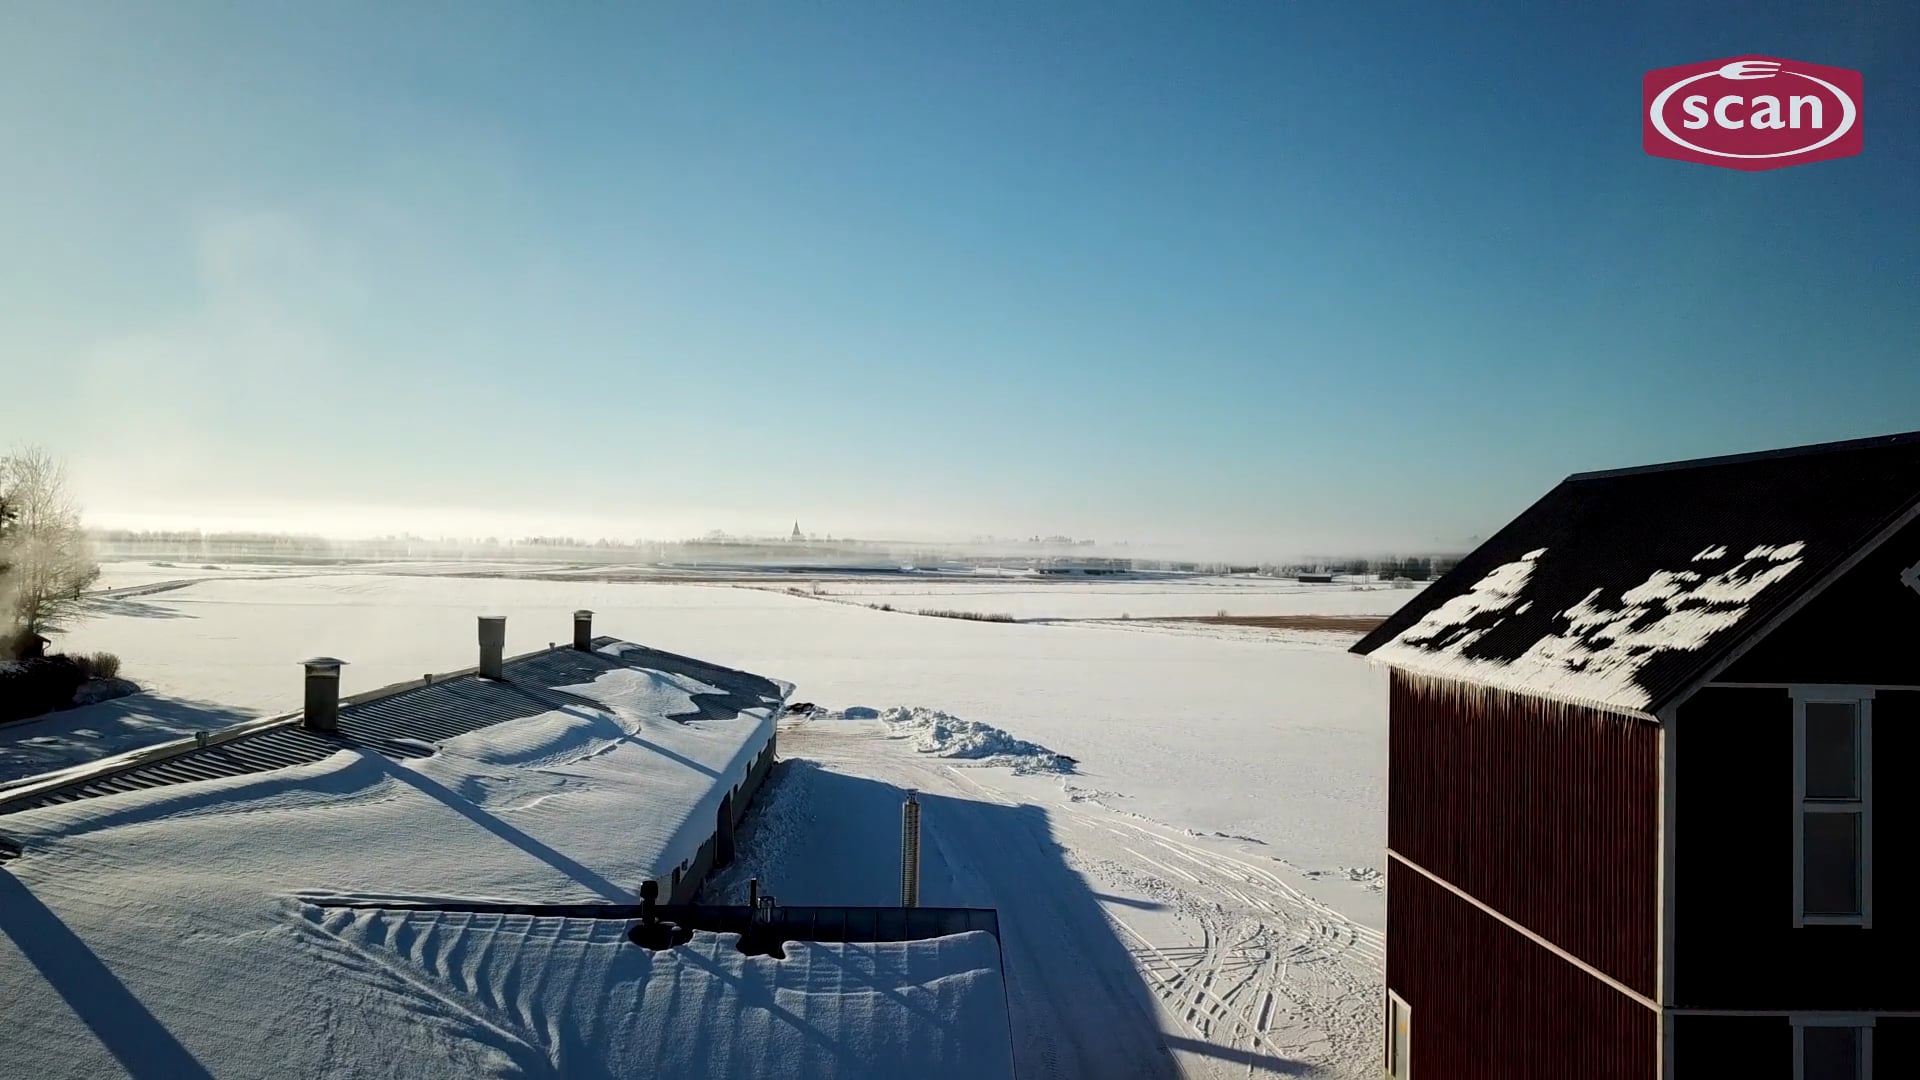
x=796, y=531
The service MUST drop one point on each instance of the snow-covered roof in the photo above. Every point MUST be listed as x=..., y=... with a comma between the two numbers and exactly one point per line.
x=185, y=929
x=403, y=721
x=1624, y=589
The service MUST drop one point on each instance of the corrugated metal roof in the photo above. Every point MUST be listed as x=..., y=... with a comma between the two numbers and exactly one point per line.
x=1624, y=588
x=408, y=723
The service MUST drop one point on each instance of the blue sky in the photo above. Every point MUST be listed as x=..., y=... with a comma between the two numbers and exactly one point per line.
x=1243, y=278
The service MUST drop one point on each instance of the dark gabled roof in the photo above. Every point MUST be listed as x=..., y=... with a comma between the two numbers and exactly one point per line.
x=407, y=722
x=1626, y=588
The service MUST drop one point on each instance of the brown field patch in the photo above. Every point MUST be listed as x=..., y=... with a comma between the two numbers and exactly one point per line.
x=1346, y=624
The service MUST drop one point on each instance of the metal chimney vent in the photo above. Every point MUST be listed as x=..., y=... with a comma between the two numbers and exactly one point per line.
x=493, y=645
x=583, y=630
x=322, y=711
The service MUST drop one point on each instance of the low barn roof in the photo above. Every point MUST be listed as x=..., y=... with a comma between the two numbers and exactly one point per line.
x=1624, y=589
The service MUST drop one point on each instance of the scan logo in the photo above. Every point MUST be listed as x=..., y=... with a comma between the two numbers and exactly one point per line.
x=1751, y=112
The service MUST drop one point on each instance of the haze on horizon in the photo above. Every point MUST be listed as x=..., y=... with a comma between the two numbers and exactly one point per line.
x=1232, y=282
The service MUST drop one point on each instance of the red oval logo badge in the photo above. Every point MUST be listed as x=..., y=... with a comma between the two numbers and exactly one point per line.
x=1751, y=112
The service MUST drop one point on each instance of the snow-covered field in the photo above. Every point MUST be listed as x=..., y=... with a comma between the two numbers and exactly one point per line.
x=118, y=575
x=1067, y=598
x=1277, y=740
x=1225, y=804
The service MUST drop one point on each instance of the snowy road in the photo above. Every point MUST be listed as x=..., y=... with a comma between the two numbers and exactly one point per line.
x=1132, y=948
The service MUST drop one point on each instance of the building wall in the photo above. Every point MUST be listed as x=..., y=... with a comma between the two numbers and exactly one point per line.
x=1545, y=812
x=1735, y=945
x=1896, y=1041
x=1489, y=1004
x=693, y=873
x=1761, y=1047
x=1749, y=1047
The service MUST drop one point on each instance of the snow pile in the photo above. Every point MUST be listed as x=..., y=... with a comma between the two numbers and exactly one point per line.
x=95, y=691
x=935, y=732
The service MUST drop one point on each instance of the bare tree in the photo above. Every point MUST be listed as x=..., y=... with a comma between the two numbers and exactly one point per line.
x=6, y=519
x=46, y=562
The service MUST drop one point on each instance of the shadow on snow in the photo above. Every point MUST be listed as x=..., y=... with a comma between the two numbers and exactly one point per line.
x=1077, y=1002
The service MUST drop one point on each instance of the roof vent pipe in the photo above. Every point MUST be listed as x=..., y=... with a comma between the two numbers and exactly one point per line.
x=323, y=694
x=910, y=851
x=493, y=646
x=583, y=630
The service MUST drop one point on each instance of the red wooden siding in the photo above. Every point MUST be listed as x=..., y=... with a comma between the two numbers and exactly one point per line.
x=1546, y=812
x=1489, y=1004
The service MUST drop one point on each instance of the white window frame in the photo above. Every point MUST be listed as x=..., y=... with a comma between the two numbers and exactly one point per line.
x=1803, y=1021
x=1861, y=697
x=1398, y=1068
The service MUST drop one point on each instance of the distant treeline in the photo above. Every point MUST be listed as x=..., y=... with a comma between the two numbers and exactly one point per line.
x=242, y=546
x=205, y=547
x=1410, y=567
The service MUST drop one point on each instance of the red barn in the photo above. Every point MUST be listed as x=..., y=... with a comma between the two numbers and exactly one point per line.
x=1645, y=817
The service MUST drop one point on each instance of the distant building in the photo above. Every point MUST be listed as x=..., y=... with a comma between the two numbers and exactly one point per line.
x=1574, y=890
x=1083, y=567
x=797, y=536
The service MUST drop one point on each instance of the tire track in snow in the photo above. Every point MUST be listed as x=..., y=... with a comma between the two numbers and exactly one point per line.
x=1315, y=973
x=1254, y=976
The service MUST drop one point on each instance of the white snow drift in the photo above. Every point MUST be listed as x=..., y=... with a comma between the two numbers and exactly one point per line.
x=931, y=731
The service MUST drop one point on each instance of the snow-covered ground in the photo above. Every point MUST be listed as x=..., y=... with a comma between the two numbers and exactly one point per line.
x=130, y=574
x=69, y=737
x=1068, y=598
x=1132, y=949
x=1236, y=780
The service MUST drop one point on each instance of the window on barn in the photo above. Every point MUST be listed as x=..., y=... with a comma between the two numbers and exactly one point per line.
x=1399, y=1037
x=1832, y=1048
x=1833, y=826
